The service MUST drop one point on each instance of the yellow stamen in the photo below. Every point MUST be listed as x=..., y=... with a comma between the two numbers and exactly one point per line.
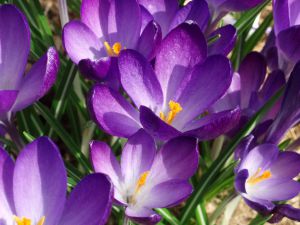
x=256, y=178
x=141, y=181
x=26, y=221
x=113, y=51
x=175, y=108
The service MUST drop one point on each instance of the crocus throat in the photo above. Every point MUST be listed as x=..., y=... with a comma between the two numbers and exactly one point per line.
x=26, y=221
x=114, y=50
x=258, y=177
x=141, y=181
x=175, y=108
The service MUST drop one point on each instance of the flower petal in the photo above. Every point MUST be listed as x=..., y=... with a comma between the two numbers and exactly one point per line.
x=40, y=182
x=105, y=162
x=281, y=15
x=209, y=80
x=240, y=180
x=252, y=72
x=183, y=48
x=239, y=5
x=7, y=100
x=155, y=126
x=178, y=159
x=138, y=80
x=116, y=26
x=142, y=215
x=162, y=11
x=6, y=191
x=41, y=76
x=137, y=158
x=90, y=202
x=95, y=69
x=150, y=40
x=214, y=125
x=14, y=46
x=264, y=207
x=81, y=43
x=90, y=16
x=196, y=11
x=288, y=44
x=112, y=112
x=225, y=43
x=168, y=194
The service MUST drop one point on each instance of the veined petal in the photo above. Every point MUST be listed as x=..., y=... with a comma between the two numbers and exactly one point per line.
x=105, y=162
x=90, y=202
x=112, y=112
x=7, y=208
x=40, y=182
x=81, y=43
x=115, y=23
x=183, y=48
x=14, y=46
x=162, y=11
x=260, y=205
x=281, y=15
x=139, y=81
x=41, y=76
x=142, y=215
x=178, y=159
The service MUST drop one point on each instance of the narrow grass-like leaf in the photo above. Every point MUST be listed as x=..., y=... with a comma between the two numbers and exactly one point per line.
x=168, y=216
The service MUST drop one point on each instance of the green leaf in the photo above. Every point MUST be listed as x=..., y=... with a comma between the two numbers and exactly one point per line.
x=168, y=216
x=259, y=220
x=201, y=215
x=217, y=165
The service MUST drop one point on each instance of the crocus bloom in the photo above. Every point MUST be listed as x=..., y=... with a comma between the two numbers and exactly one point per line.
x=287, y=30
x=250, y=89
x=265, y=175
x=169, y=15
x=33, y=190
x=173, y=97
x=148, y=179
x=16, y=90
x=289, y=114
x=106, y=27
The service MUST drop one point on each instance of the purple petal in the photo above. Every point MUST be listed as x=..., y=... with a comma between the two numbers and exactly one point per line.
x=252, y=72
x=150, y=40
x=264, y=207
x=214, y=125
x=209, y=80
x=163, y=11
x=178, y=159
x=95, y=69
x=281, y=15
x=168, y=194
x=225, y=43
x=288, y=44
x=14, y=46
x=155, y=126
x=183, y=48
x=90, y=16
x=285, y=211
x=279, y=168
x=289, y=113
x=115, y=23
x=239, y=5
x=274, y=189
x=7, y=100
x=90, y=202
x=40, y=182
x=146, y=17
x=243, y=147
x=105, y=162
x=6, y=192
x=196, y=11
x=41, y=76
x=81, y=43
x=138, y=80
x=142, y=215
x=137, y=158
x=259, y=157
x=112, y=112
x=240, y=181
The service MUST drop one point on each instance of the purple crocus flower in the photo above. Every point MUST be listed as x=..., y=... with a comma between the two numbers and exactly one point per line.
x=33, y=190
x=250, y=89
x=173, y=97
x=16, y=92
x=265, y=175
x=106, y=27
x=169, y=15
x=287, y=30
x=148, y=179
